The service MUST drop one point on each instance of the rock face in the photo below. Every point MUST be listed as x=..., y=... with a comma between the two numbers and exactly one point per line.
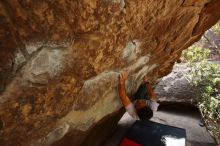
x=175, y=88
x=60, y=60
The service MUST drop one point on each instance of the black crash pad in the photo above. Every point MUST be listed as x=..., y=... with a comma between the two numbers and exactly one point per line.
x=148, y=133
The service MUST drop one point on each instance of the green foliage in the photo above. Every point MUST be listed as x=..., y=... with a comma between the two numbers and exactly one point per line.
x=205, y=77
x=216, y=28
x=195, y=54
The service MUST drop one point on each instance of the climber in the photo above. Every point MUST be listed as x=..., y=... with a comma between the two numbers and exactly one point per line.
x=145, y=99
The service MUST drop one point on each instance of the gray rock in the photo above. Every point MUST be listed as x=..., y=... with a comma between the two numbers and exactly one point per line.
x=175, y=87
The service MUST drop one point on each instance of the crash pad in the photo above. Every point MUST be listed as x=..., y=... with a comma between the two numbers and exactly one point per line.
x=148, y=133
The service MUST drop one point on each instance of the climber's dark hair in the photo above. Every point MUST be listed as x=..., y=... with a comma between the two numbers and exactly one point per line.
x=145, y=113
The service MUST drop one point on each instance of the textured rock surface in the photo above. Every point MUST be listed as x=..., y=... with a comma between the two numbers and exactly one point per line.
x=175, y=87
x=59, y=60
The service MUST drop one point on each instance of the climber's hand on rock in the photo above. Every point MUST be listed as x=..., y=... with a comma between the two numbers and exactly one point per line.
x=123, y=76
x=145, y=79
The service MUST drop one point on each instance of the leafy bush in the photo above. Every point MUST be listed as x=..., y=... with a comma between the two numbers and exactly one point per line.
x=205, y=77
x=216, y=28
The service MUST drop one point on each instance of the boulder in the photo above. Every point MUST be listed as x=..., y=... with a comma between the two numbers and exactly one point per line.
x=60, y=61
x=175, y=87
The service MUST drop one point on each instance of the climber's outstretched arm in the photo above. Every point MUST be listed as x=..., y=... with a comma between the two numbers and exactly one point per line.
x=121, y=88
x=128, y=105
x=151, y=92
x=149, y=88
